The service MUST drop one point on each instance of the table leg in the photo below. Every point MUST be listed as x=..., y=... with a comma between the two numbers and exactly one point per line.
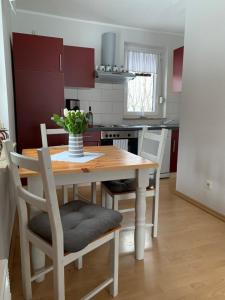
x=37, y=256
x=140, y=210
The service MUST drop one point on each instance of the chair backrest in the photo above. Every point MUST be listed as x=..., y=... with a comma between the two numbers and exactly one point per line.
x=45, y=132
x=49, y=204
x=159, y=139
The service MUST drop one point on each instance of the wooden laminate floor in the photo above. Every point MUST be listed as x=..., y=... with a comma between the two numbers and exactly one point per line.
x=186, y=261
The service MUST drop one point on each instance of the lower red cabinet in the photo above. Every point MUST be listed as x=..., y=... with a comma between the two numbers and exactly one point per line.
x=174, y=150
x=92, y=138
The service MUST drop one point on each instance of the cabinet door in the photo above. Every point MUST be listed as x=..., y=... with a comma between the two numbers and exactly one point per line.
x=92, y=138
x=177, y=69
x=174, y=150
x=38, y=96
x=37, y=53
x=79, y=67
x=87, y=143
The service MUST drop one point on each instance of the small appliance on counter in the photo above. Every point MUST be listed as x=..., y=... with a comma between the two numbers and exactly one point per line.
x=73, y=104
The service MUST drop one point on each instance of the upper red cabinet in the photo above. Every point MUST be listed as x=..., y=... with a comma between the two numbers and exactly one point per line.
x=37, y=53
x=79, y=67
x=177, y=69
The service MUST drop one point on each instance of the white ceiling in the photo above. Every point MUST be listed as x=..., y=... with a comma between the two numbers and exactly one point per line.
x=159, y=15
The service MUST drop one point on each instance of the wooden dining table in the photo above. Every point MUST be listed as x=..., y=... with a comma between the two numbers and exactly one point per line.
x=114, y=164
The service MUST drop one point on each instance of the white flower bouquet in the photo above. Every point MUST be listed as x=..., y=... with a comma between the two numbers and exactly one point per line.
x=74, y=122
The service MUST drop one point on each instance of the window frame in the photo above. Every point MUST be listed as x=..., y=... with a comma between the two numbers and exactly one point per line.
x=158, y=110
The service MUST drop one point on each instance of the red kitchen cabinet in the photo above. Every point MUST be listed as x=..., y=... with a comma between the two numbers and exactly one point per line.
x=38, y=96
x=177, y=69
x=79, y=67
x=39, y=87
x=174, y=150
x=92, y=138
x=37, y=53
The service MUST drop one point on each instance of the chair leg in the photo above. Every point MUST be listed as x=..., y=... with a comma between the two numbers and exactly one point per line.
x=155, y=209
x=103, y=196
x=65, y=193
x=59, y=281
x=25, y=265
x=115, y=263
x=115, y=203
x=108, y=201
x=155, y=205
x=93, y=192
x=79, y=263
x=75, y=192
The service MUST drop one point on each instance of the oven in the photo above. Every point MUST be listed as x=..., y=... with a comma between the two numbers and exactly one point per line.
x=117, y=137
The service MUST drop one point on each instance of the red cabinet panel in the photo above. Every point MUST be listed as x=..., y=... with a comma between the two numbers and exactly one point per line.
x=79, y=67
x=177, y=69
x=174, y=150
x=38, y=96
x=92, y=138
x=87, y=143
x=37, y=53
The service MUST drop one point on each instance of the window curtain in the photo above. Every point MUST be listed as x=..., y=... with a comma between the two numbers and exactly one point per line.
x=142, y=60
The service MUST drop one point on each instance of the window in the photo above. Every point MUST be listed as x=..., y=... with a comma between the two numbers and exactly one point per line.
x=142, y=92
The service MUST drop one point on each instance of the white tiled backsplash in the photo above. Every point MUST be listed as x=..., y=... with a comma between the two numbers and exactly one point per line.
x=107, y=103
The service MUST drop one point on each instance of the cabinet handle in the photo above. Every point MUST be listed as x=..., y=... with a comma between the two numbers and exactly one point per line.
x=60, y=62
x=174, y=145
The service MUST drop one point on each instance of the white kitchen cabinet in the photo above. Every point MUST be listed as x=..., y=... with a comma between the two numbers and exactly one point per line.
x=165, y=168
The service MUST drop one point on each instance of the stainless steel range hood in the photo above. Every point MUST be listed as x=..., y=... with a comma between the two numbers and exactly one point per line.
x=113, y=77
x=108, y=58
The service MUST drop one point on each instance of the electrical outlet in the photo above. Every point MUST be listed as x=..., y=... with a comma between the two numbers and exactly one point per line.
x=208, y=184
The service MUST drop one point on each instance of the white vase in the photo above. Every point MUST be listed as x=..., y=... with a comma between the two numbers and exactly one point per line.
x=76, y=145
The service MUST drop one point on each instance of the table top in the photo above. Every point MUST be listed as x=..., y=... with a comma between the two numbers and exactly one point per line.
x=113, y=159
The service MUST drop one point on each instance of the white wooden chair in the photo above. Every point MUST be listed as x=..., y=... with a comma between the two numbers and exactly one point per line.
x=55, y=248
x=5, y=293
x=125, y=189
x=44, y=133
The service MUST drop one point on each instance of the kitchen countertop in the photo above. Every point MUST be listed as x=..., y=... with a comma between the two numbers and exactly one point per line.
x=132, y=127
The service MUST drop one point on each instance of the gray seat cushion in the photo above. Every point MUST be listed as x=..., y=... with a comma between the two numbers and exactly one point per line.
x=82, y=224
x=126, y=185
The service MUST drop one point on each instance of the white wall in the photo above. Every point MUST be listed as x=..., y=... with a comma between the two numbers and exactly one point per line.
x=7, y=201
x=202, y=138
x=7, y=211
x=106, y=101
x=6, y=83
x=86, y=34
